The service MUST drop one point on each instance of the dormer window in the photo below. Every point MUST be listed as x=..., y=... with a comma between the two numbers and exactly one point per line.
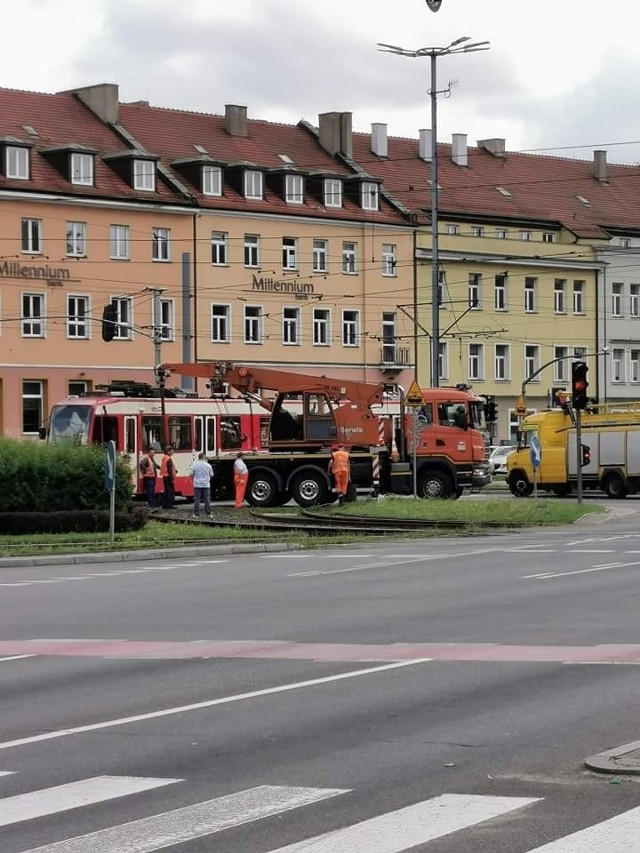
x=332, y=192
x=370, y=195
x=211, y=180
x=294, y=189
x=82, y=169
x=144, y=175
x=17, y=162
x=253, y=184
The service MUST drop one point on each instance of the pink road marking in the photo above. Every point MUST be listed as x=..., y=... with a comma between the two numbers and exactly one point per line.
x=327, y=652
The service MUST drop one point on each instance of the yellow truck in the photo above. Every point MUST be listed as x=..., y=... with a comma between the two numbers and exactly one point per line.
x=610, y=432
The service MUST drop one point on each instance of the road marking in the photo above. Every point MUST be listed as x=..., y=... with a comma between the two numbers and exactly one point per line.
x=112, y=574
x=186, y=824
x=550, y=575
x=17, y=657
x=617, y=835
x=397, y=562
x=591, y=551
x=406, y=828
x=209, y=703
x=73, y=795
x=7, y=772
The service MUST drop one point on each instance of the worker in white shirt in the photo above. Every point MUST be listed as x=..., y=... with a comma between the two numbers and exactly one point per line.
x=240, y=479
x=202, y=473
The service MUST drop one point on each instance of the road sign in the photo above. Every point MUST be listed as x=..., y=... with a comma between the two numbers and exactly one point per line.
x=110, y=467
x=414, y=395
x=521, y=407
x=536, y=451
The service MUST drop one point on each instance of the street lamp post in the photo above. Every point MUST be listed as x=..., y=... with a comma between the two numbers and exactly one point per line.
x=460, y=45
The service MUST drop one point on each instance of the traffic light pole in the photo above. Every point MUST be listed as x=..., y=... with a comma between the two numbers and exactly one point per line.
x=578, y=413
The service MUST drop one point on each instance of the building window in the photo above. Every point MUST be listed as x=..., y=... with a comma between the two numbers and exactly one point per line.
x=294, y=189
x=477, y=231
x=320, y=256
x=289, y=253
x=476, y=361
x=350, y=328
x=561, y=366
x=123, y=331
x=634, y=365
x=370, y=195
x=77, y=312
x=616, y=299
x=251, y=250
x=76, y=239
x=475, y=290
x=290, y=325
x=82, y=169
x=578, y=297
x=560, y=296
x=321, y=327
x=252, y=184
x=211, y=180
x=219, y=251
x=160, y=238
x=332, y=192
x=531, y=361
x=443, y=360
x=634, y=300
x=389, y=259
x=220, y=326
x=617, y=365
x=389, y=338
x=119, y=242
x=442, y=286
x=349, y=258
x=526, y=235
x=31, y=236
x=548, y=237
x=502, y=233
x=253, y=324
x=33, y=315
x=501, y=362
x=167, y=320
x=451, y=228
x=78, y=387
x=530, y=294
x=32, y=406
x=144, y=175
x=500, y=292
x=17, y=162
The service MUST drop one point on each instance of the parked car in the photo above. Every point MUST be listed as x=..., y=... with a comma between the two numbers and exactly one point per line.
x=498, y=458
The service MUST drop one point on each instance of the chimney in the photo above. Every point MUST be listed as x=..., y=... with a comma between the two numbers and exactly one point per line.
x=600, y=166
x=495, y=146
x=336, y=134
x=101, y=99
x=235, y=120
x=459, y=149
x=379, y=141
x=424, y=145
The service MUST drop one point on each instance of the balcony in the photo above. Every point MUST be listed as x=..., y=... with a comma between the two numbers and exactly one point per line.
x=393, y=357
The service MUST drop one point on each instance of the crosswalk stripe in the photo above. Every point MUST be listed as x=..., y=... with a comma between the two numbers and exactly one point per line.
x=618, y=835
x=190, y=822
x=7, y=772
x=410, y=826
x=73, y=795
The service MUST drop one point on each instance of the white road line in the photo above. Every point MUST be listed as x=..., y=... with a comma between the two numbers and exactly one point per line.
x=209, y=703
x=73, y=795
x=112, y=574
x=186, y=824
x=550, y=575
x=413, y=825
x=618, y=835
x=397, y=562
x=7, y=772
x=590, y=551
x=17, y=657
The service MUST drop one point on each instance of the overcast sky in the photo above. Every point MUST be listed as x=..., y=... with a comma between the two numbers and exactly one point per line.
x=561, y=75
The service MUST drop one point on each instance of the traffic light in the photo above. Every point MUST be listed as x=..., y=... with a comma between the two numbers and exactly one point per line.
x=109, y=321
x=579, y=384
x=491, y=410
x=586, y=455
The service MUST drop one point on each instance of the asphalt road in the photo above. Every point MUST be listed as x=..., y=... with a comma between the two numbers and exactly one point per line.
x=430, y=696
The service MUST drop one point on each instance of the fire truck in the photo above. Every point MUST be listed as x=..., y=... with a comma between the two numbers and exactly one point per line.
x=310, y=414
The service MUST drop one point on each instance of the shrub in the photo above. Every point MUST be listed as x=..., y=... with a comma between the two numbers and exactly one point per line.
x=80, y=521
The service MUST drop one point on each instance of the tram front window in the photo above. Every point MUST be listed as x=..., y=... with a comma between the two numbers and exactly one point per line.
x=70, y=421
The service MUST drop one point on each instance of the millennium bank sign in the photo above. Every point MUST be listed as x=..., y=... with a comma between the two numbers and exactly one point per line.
x=53, y=276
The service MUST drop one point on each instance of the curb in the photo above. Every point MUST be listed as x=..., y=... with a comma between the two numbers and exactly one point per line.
x=149, y=554
x=623, y=760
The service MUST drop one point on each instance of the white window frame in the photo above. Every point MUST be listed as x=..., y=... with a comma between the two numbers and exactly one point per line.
x=320, y=254
x=252, y=251
x=144, y=175
x=530, y=294
x=211, y=177
x=31, y=236
x=634, y=300
x=452, y=229
x=332, y=192
x=40, y=396
x=617, y=295
x=321, y=327
x=548, y=237
x=16, y=159
x=560, y=296
x=350, y=327
x=634, y=366
x=532, y=362
x=390, y=260
x=77, y=239
x=161, y=245
x=477, y=231
x=253, y=184
x=294, y=189
x=561, y=371
x=82, y=169
x=527, y=236
x=502, y=362
x=167, y=319
x=290, y=326
x=253, y=323
x=289, y=253
x=220, y=323
x=119, y=242
x=33, y=315
x=500, y=292
x=474, y=291
x=502, y=233
x=123, y=328
x=219, y=249
x=370, y=195
x=349, y=257
x=443, y=360
x=475, y=361
x=617, y=365
x=579, y=291
x=78, y=317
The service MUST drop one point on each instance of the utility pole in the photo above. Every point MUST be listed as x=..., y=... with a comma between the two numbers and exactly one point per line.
x=157, y=358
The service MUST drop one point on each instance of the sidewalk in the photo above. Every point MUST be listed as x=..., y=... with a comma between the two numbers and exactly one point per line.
x=622, y=761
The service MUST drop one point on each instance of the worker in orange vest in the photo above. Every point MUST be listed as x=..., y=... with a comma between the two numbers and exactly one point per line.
x=149, y=468
x=240, y=479
x=168, y=474
x=340, y=467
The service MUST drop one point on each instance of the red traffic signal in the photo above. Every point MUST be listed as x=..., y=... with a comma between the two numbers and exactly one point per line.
x=579, y=384
x=586, y=455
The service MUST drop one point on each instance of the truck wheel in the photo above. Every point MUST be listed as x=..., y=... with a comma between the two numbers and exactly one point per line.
x=263, y=490
x=309, y=488
x=614, y=486
x=519, y=485
x=435, y=484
